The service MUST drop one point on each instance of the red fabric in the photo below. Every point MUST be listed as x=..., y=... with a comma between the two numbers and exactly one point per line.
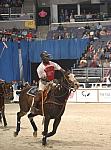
x=29, y=35
x=42, y=14
x=50, y=72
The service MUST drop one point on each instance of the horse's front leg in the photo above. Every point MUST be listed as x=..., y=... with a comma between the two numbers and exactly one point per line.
x=19, y=115
x=46, y=123
x=0, y=117
x=4, y=118
x=30, y=116
x=55, y=125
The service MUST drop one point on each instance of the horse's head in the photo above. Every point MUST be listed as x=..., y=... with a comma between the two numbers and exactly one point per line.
x=71, y=80
x=8, y=91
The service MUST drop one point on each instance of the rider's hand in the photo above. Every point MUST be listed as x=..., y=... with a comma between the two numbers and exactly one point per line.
x=63, y=71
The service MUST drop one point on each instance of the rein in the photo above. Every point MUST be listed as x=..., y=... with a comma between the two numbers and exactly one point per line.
x=66, y=84
x=52, y=102
x=72, y=89
x=68, y=91
x=68, y=87
x=57, y=96
x=63, y=105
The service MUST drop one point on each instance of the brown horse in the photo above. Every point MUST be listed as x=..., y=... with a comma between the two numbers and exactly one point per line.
x=2, y=105
x=52, y=108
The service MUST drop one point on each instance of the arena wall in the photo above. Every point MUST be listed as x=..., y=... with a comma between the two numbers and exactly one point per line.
x=83, y=95
x=91, y=95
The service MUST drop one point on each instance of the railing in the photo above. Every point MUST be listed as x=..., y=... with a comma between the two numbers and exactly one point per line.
x=90, y=74
x=17, y=16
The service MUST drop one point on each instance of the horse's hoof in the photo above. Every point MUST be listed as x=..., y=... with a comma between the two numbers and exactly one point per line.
x=15, y=134
x=44, y=141
x=5, y=125
x=35, y=134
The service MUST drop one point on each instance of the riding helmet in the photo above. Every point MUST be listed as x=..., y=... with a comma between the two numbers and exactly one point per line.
x=44, y=54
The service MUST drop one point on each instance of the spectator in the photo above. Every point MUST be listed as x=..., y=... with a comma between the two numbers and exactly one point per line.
x=103, y=31
x=67, y=35
x=87, y=27
x=99, y=29
x=72, y=17
x=60, y=27
x=100, y=64
x=91, y=48
x=109, y=45
x=83, y=62
x=106, y=63
x=94, y=63
x=99, y=26
x=61, y=16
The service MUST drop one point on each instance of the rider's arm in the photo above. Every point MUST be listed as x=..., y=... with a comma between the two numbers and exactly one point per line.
x=58, y=67
x=41, y=73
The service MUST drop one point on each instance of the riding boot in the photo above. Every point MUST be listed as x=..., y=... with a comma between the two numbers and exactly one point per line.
x=35, y=108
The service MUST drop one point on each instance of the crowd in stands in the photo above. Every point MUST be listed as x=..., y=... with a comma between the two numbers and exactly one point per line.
x=17, y=34
x=92, y=32
x=98, y=53
x=11, y=2
x=70, y=16
x=93, y=57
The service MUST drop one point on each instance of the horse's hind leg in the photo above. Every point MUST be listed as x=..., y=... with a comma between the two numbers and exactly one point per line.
x=55, y=125
x=0, y=117
x=46, y=123
x=4, y=118
x=30, y=116
x=19, y=115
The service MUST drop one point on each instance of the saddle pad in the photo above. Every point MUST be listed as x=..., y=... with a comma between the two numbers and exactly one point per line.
x=32, y=91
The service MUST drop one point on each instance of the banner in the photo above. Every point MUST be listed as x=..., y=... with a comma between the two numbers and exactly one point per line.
x=87, y=95
x=105, y=95
x=30, y=24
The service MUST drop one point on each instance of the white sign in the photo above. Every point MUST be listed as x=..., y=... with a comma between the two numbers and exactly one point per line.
x=105, y=95
x=87, y=95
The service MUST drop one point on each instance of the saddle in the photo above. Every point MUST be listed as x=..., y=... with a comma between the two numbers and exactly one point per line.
x=33, y=91
x=43, y=96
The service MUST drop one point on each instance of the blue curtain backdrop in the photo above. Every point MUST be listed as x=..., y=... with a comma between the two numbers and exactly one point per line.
x=9, y=61
x=59, y=49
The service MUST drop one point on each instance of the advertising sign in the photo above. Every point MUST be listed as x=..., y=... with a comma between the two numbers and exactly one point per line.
x=87, y=95
x=30, y=24
x=105, y=95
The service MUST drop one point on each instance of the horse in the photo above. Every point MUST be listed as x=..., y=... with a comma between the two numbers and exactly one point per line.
x=2, y=105
x=52, y=107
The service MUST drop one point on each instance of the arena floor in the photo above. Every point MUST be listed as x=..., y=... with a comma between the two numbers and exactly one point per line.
x=83, y=127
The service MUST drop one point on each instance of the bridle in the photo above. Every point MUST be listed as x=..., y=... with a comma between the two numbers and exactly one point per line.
x=67, y=86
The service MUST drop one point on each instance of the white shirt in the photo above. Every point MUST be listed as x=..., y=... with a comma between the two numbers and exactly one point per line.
x=41, y=69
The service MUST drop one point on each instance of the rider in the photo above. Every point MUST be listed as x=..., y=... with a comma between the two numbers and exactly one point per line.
x=45, y=72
